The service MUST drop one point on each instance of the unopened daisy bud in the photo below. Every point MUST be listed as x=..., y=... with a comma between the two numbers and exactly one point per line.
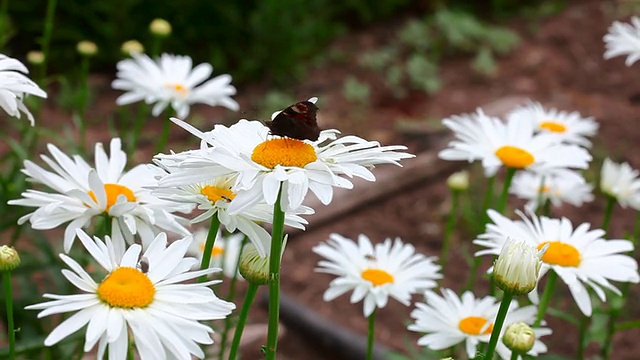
x=9, y=258
x=35, y=57
x=519, y=338
x=87, y=48
x=132, y=47
x=253, y=267
x=160, y=27
x=458, y=181
x=517, y=268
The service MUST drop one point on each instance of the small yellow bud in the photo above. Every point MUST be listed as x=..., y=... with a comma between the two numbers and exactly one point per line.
x=9, y=258
x=35, y=57
x=519, y=337
x=160, y=27
x=87, y=48
x=458, y=181
x=132, y=47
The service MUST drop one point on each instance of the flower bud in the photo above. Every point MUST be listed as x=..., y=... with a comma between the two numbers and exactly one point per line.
x=458, y=181
x=9, y=258
x=160, y=27
x=517, y=268
x=87, y=48
x=132, y=47
x=519, y=337
x=253, y=267
x=35, y=57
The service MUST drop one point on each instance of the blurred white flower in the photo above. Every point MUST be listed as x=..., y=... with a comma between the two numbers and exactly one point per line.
x=624, y=39
x=15, y=86
x=621, y=182
x=571, y=127
x=170, y=80
x=566, y=187
x=513, y=144
x=225, y=253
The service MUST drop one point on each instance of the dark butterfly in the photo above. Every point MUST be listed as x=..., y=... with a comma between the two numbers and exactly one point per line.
x=298, y=121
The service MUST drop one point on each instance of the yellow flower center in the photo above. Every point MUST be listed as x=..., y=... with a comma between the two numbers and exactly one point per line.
x=178, y=89
x=126, y=288
x=473, y=325
x=514, y=157
x=284, y=152
x=544, y=189
x=113, y=191
x=562, y=254
x=216, y=251
x=377, y=277
x=553, y=126
x=214, y=193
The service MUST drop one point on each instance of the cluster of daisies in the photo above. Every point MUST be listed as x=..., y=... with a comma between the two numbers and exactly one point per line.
x=235, y=175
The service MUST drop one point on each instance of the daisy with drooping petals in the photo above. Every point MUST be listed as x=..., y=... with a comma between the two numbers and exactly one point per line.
x=262, y=162
x=15, y=86
x=449, y=320
x=215, y=197
x=571, y=127
x=512, y=144
x=624, y=39
x=375, y=272
x=170, y=80
x=149, y=301
x=566, y=187
x=620, y=181
x=578, y=256
x=84, y=193
x=225, y=253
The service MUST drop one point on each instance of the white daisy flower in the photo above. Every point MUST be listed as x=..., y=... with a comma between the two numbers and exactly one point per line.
x=262, y=162
x=624, y=39
x=579, y=256
x=15, y=86
x=225, y=253
x=621, y=182
x=571, y=127
x=567, y=187
x=517, y=268
x=449, y=320
x=148, y=301
x=514, y=145
x=375, y=273
x=215, y=197
x=83, y=193
x=170, y=80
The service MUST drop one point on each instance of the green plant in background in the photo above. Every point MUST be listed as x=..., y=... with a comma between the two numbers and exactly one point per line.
x=356, y=91
x=412, y=60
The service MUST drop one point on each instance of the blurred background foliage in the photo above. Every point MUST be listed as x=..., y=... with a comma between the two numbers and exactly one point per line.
x=250, y=39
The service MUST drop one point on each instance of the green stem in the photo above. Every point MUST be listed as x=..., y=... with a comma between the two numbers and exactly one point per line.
x=546, y=297
x=143, y=112
x=370, y=337
x=505, y=190
x=540, y=204
x=448, y=231
x=611, y=201
x=165, y=134
x=477, y=260
x=582, y=336
x=6, y=279
x=232, y=294
x=514, y=355
x=277, y=236
x=252, y=290
x=46, y=34
x=497, y=325
x=208, y=246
